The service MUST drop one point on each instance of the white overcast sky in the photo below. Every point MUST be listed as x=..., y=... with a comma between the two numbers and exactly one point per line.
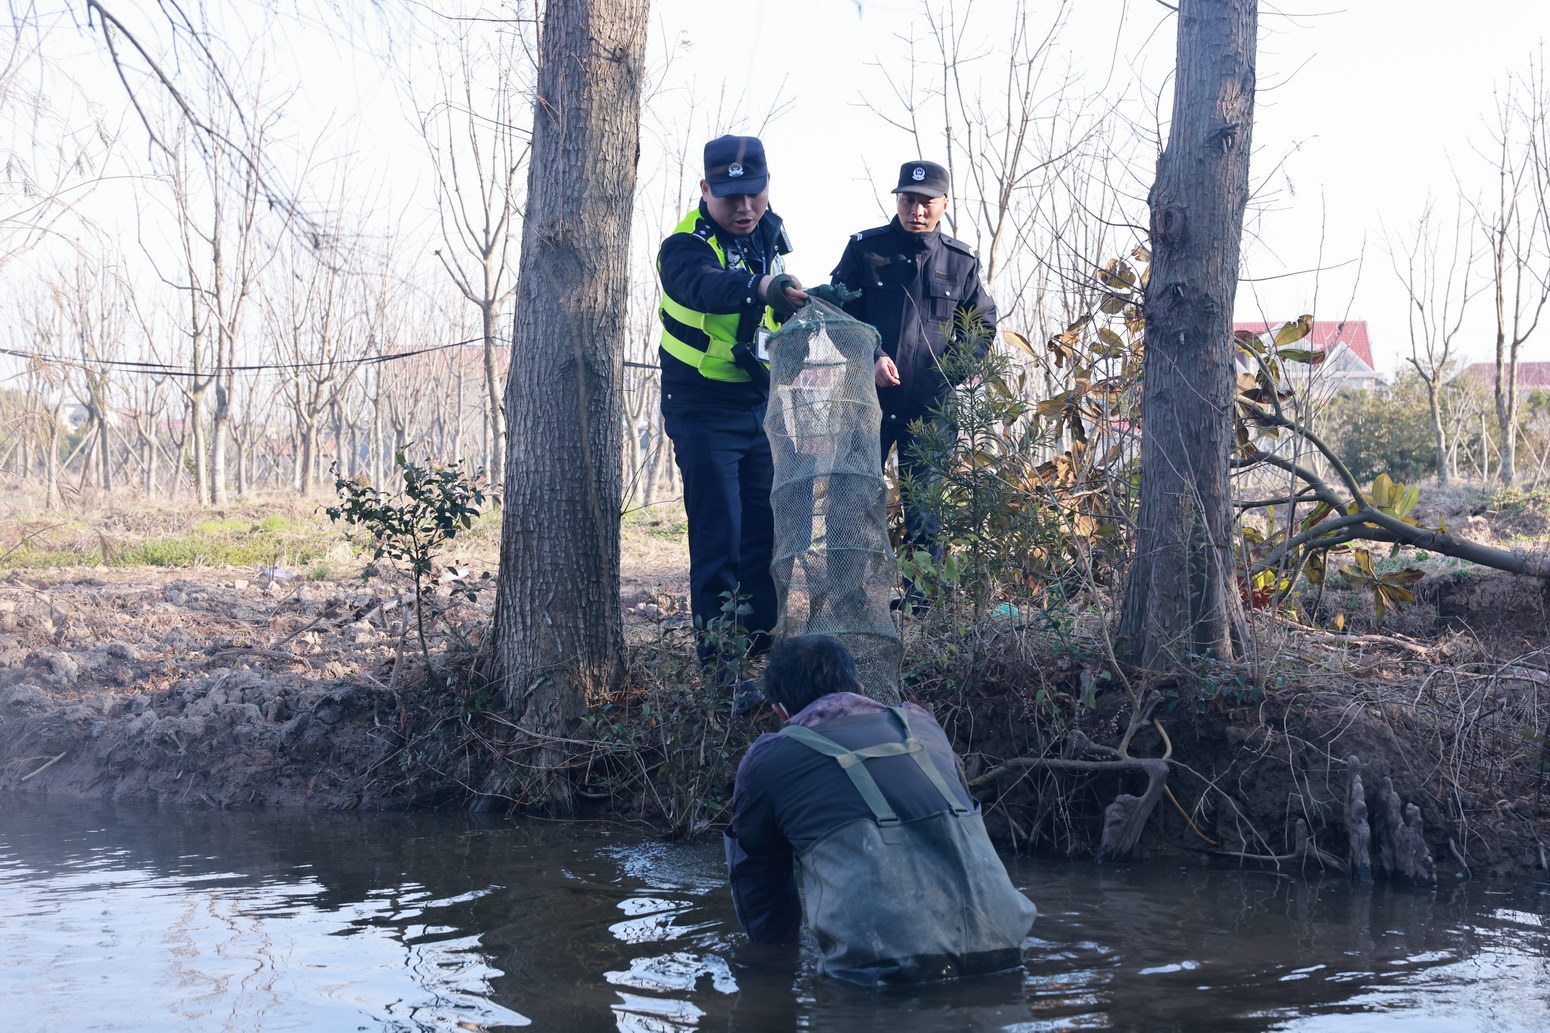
x=1365, y=108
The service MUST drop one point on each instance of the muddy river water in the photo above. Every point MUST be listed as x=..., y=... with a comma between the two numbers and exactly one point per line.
x=117, y=917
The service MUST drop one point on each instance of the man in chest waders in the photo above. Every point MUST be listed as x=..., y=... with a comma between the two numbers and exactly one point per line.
x=899, y=881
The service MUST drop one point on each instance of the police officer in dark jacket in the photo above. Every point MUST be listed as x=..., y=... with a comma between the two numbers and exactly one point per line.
x=723, y=285
x=916, y=284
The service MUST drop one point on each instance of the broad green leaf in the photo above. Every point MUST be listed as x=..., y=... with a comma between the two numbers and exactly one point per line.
x=1291, y=333
x=1382, y=491
x=1312, y=358
x=1396, y=595
x=1407, y=501
x=1320, y=511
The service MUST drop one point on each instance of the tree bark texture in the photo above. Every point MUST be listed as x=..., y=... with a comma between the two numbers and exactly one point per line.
x=1181, y=585
x=558, y=631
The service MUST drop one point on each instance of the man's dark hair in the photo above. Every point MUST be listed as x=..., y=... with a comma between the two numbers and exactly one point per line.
x=803, y=668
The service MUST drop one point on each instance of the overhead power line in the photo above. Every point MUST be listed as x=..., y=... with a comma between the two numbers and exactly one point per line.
x=167, y=369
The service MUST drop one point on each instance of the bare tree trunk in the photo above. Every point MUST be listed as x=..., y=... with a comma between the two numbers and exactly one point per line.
x=457, y=422
x=336, y=413
x=558, y=630
x=1518, y=237
x=496, y=432
x=1181, y=581
x=378, y=463
x=179, y=457
x=148, y=447
x=240, y=454
x=1439, y=434
x=196, y=435
x=51, y=498
x=309, y=458
x=220, y=415
x=634, y=448
x=105, y=450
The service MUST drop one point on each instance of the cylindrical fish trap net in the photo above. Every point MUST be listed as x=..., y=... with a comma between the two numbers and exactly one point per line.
x=834, y=569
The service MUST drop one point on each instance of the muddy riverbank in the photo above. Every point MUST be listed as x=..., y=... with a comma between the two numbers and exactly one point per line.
x=226, y=688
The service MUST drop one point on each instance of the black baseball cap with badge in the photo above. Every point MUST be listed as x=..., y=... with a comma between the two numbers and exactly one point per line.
x=925, y=178
x=735, y=165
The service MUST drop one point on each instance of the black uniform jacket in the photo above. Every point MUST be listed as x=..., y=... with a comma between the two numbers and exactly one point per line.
x=692, y=276
x=789, y=796
x=912, y=286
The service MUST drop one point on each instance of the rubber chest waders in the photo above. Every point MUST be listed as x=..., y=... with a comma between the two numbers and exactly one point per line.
x=908, y=901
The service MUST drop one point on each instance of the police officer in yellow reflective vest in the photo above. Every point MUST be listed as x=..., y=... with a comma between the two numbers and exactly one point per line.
x=724, y=289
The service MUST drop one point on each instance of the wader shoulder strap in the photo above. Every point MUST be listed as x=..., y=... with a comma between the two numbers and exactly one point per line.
x=932, y=772
x=853, y=763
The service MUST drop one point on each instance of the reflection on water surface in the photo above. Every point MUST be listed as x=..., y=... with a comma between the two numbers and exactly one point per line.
x=120, y=918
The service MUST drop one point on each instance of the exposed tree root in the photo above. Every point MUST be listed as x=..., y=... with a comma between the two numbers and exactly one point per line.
x=1305, y=850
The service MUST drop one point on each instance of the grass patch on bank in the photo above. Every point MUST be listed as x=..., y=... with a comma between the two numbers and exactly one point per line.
x=145, y=536
x=666, y=521
x=195, y=549
x=1521, y=500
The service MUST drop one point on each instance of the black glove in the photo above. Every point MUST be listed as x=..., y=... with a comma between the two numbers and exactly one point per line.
x=775, y=296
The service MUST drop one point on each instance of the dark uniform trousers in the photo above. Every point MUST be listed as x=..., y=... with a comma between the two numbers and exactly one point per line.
x=724, y=459
x=921, y=529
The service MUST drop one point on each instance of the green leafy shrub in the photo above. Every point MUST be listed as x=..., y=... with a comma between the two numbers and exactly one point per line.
x=1383, y=432
x=1032, y=495
x=411, y=525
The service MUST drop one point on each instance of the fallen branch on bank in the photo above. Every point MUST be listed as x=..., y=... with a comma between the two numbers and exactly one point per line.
x=253, y=651
x=44, y=768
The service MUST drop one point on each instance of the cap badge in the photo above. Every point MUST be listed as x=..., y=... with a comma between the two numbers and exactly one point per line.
x=919, y=174
x=735, y=169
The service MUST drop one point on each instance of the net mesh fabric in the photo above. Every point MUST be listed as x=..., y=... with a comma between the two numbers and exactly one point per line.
x=833, y=566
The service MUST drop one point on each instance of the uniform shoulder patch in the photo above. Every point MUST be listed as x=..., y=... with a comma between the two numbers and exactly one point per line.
x=957, y=245
x=874, y=231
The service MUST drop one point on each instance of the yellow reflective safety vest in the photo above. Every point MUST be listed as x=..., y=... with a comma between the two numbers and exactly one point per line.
x=708, y=337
